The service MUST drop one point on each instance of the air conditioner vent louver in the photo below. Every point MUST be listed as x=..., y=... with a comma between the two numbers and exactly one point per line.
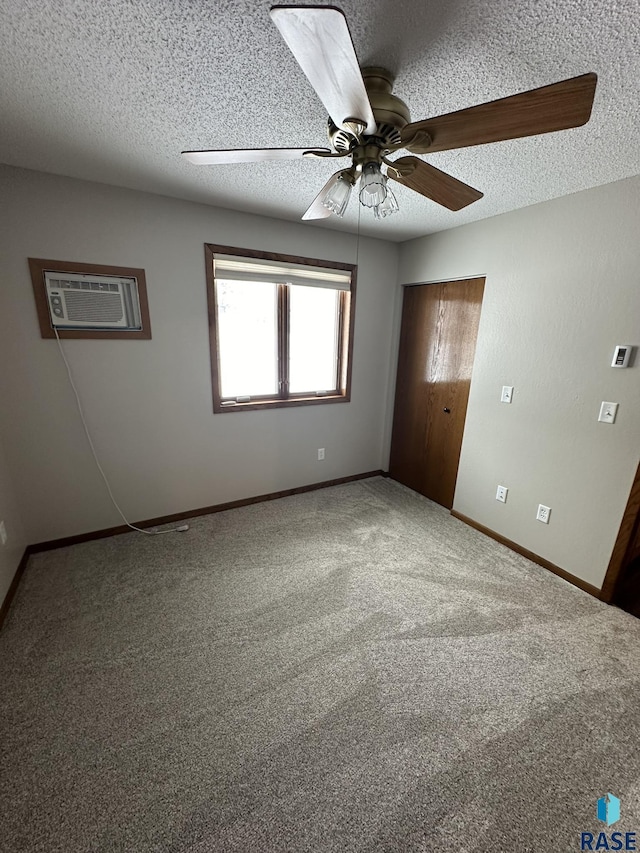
x=92, y=302
x=103, y=287
x=84, y=307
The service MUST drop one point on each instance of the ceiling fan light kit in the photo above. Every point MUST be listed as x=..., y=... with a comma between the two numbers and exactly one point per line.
x=367, y=122
x=338, y=192
x=373, y=189
x=388, y=206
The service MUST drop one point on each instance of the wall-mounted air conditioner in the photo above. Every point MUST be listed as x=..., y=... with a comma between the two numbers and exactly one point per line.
x=78, y=301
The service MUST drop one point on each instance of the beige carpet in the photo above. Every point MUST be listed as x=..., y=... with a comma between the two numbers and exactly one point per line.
x=345, y=670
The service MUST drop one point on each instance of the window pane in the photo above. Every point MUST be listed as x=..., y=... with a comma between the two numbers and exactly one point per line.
x=247, y=338
x=313, y=338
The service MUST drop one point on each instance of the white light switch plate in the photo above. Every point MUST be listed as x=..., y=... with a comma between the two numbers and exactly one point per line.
x=3, y=533
x=608, y=412
x=507, y=394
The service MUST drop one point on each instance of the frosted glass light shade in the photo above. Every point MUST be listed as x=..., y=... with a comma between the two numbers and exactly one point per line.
x=388, y=206
x=337, y=196
x=373, y=186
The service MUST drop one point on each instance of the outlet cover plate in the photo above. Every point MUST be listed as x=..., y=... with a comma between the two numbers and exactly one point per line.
x=543, y=513
x=320, y=454
x=501, y=494
x=3, y=533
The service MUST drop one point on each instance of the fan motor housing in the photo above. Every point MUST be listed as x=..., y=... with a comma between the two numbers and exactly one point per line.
x=391, y=114
x=387, y=108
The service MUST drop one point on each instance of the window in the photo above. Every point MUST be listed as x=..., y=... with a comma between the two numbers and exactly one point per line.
x=281, y=329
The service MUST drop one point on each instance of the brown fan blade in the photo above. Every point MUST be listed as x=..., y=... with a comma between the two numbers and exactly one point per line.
x=247, y=155
x=555, y=107
x=319, y=39
x=431, y=182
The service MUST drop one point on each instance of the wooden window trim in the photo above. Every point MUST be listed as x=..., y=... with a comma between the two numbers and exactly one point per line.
x=38, y=267
x=346, y=318
x=283, y=342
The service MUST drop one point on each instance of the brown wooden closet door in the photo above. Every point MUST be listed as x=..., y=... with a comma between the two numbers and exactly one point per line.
x=437, y=347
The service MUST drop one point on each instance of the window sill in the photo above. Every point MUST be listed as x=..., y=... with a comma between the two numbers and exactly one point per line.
x=255, y=405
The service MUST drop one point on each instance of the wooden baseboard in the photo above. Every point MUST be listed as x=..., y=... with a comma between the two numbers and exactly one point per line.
x=6, y=604
x=513, y=546
x=165, y=519
x=180, y=516
x=193, y=513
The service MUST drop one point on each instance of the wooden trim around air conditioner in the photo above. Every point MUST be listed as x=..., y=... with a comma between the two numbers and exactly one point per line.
x=38, y=267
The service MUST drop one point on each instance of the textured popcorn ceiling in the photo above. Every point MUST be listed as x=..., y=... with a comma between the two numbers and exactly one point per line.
x=112, y=91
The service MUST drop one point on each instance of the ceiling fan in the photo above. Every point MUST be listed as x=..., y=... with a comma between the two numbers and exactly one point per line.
x=367, y=123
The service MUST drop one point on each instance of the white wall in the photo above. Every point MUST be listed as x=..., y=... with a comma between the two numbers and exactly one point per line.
x=10, y=553
x=148, y=403
x=563, y=287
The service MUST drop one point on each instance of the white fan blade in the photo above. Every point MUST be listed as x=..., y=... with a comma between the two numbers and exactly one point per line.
x=316, y=209
x=319, y=39
x=246, y=155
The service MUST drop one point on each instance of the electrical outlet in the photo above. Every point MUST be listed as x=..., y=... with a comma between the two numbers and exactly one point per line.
x=501, y=494
x=543, y=513
x=507, y=394
x=3, y=533
x=320, y=454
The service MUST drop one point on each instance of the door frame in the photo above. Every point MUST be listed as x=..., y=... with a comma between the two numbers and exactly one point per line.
x=626, y=533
